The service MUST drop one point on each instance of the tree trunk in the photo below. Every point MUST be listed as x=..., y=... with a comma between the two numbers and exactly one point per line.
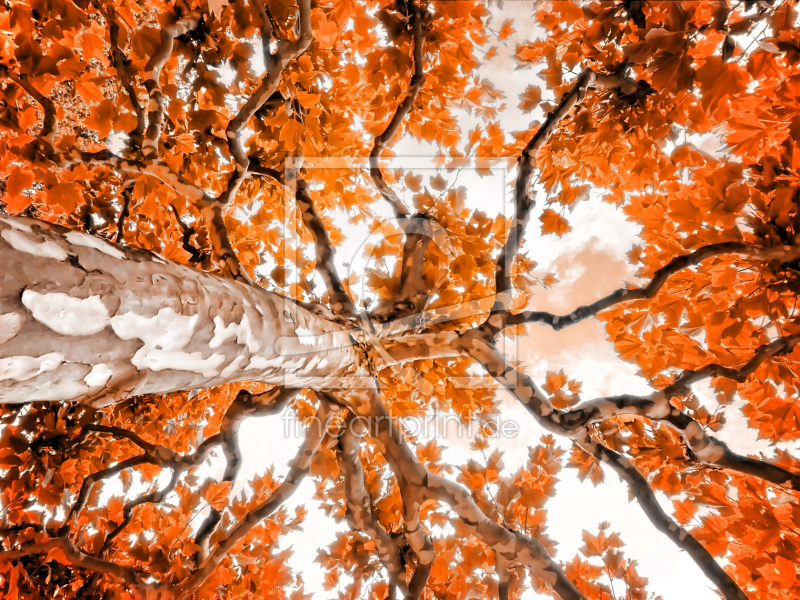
x=83, y=319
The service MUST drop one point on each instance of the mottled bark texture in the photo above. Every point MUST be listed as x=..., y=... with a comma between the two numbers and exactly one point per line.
x=86, y=320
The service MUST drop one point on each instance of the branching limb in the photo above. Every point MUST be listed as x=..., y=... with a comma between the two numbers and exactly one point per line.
x=90, y=480
x=410, y=474
x=151, y=76
x=417, y=484
x=523, y=201
x=656, y=406
x=705, y=448
x=504, y=318
x=46, y=136
x=155, y=497
x=420, y=542
x=120, y=63
x=513, y=545
x=359, y=503
x=419, y=33
x=340, y=301
x=779, y=347
x=245, y=405
x=649, y=503
x=298, y=468
x=412, y=296
x=275, y=64
x=78, y=559
x=572, y=424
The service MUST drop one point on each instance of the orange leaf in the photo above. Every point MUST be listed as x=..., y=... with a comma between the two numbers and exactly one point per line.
x=506, y=30
x=18, y=180
x=554, y=381
x=684, y=510
x=65, y=195
x=413, y=183
x=530, y=98
x=217, y=494
x=552, y=222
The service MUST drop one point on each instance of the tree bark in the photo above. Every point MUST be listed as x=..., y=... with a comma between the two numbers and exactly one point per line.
x=82, y=319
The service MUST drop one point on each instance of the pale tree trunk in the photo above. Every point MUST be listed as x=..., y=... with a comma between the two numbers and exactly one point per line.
x=82, y=319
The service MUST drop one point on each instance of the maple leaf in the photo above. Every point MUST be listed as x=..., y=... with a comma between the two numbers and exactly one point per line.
x=549, y=280
x=438, y=183
x=552, y=222
x=414, y=182
x=291, y=134
x=530, y=98
x=217, y=494
x=684, y=510
x=326, y=33
x=719, y=80
x=781, y=573
x=554, y=381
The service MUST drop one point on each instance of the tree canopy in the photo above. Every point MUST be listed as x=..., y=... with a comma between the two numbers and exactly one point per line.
x=175, y=179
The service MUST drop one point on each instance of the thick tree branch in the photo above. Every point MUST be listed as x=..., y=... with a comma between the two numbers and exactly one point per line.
x=78, y=559
x=359, y=503
x=417, y=79
x=649, y=504
x=245, y=405
x=417, y=484
x=148, y=166
x=120, y=63
x=152, y=80
x=656, y=406
x=340, y=301
x=298, y=468
x=504, y=318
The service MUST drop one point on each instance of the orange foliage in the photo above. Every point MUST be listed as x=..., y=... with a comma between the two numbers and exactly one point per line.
x=707, y=74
